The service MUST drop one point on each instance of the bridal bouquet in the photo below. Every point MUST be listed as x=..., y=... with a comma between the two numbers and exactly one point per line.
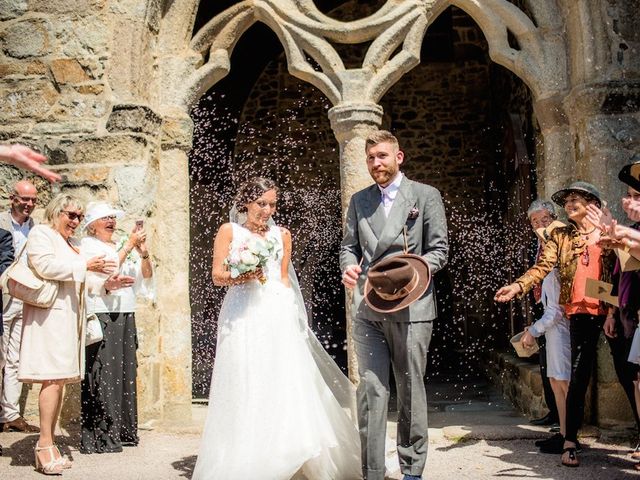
x=249, y=255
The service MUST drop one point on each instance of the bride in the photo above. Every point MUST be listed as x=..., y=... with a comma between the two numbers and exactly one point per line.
x=279, y=406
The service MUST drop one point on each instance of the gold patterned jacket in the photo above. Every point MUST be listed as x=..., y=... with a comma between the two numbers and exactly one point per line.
x=563, y=249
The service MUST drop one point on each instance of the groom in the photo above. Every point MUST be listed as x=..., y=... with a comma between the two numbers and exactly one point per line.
x=374, y=231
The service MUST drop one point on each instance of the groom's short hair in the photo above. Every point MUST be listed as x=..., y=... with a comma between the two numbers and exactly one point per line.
x=380, y=136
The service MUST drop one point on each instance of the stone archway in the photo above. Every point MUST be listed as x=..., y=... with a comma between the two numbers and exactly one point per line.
x=396, y=32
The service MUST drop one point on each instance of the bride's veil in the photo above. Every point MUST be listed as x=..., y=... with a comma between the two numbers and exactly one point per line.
x=341, y=387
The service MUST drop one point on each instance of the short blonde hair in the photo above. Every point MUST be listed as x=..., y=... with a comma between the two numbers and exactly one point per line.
x=58, y=204
x=381, y=136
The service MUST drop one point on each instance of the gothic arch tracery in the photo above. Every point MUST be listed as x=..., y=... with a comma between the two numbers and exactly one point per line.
x=395, y=31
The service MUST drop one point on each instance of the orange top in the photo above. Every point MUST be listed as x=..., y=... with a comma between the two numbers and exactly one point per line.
x=580, y=303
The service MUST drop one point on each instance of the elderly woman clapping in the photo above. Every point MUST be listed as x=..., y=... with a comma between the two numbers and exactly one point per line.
x=109, y=394
x=52, y=346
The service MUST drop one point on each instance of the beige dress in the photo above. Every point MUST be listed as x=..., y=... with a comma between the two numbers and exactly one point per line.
x=52, y=346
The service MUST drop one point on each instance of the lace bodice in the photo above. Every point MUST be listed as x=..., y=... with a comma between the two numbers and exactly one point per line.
x=273, y=269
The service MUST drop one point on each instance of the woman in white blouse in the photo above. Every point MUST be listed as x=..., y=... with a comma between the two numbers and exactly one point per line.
x=109, y=395
x=52, y=345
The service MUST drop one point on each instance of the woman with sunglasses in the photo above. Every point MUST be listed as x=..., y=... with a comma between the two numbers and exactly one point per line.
x=109, y=393
x=575, y=251
x=52, y=346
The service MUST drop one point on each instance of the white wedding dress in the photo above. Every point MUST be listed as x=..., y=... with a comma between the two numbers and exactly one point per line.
x=279, y=407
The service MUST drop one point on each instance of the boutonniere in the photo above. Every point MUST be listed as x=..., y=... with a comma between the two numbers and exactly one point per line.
x=413, y=214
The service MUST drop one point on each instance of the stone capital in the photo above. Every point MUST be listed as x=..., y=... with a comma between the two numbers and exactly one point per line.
x=348, y=119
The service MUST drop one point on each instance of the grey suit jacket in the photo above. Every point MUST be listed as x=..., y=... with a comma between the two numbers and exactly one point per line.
x=371, y=235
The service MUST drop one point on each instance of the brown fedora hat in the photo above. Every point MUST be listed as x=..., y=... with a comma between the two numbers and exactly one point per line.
x=396, y=282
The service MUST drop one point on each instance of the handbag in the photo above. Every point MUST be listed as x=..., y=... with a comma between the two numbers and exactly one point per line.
x=21, y=282
x=94, y=333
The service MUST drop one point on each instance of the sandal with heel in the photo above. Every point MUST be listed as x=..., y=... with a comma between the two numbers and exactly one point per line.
x=63, y=460
x=53, y=467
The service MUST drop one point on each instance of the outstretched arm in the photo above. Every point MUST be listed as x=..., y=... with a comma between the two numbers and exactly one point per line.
x=22, y=156
x=533, y=276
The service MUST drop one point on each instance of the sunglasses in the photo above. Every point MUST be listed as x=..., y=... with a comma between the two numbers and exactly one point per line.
x=73, y=215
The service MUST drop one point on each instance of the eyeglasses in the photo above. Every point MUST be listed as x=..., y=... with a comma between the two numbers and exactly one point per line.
x=110, y=217
x=26, y=199
x=74, y=216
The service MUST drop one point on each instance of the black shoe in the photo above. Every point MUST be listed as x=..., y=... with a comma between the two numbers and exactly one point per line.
x=551, y=439
x=545, y=421
x=554, y=444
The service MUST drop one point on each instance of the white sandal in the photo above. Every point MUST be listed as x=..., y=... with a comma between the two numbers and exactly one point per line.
x=53, y=467
x=63, y=460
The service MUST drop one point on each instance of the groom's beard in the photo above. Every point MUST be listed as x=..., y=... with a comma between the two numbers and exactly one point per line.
x=384, y=175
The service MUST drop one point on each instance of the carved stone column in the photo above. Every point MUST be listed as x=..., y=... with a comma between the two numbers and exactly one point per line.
x=556, y=168
x=351, y=124
x=173, y=305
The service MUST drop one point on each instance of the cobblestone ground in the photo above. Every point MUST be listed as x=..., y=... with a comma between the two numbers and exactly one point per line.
x=477, y=437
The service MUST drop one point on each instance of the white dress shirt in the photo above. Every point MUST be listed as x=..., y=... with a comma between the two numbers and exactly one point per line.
x=390, y=192
x=20, y=234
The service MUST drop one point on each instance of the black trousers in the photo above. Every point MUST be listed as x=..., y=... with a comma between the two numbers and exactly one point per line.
x=584, y=331
x=109, y=407
x=626, y=371
x=549, y=397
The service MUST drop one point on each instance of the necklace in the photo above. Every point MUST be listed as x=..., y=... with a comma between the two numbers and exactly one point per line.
x=586, y=234
x=259, y=229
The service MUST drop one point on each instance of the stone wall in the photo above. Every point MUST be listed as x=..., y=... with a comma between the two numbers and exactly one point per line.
x=61, y=94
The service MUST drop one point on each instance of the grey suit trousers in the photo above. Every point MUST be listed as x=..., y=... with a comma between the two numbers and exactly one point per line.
x=403, y=346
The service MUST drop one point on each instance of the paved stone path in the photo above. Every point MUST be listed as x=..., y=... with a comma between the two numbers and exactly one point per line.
x=475, y=435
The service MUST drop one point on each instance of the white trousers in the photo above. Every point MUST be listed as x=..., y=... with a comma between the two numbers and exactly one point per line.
x=11, y=387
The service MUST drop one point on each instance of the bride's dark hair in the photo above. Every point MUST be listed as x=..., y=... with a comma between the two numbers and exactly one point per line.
x=251, y=190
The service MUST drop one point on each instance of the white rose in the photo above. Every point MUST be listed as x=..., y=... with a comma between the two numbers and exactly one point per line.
x=248, y=258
